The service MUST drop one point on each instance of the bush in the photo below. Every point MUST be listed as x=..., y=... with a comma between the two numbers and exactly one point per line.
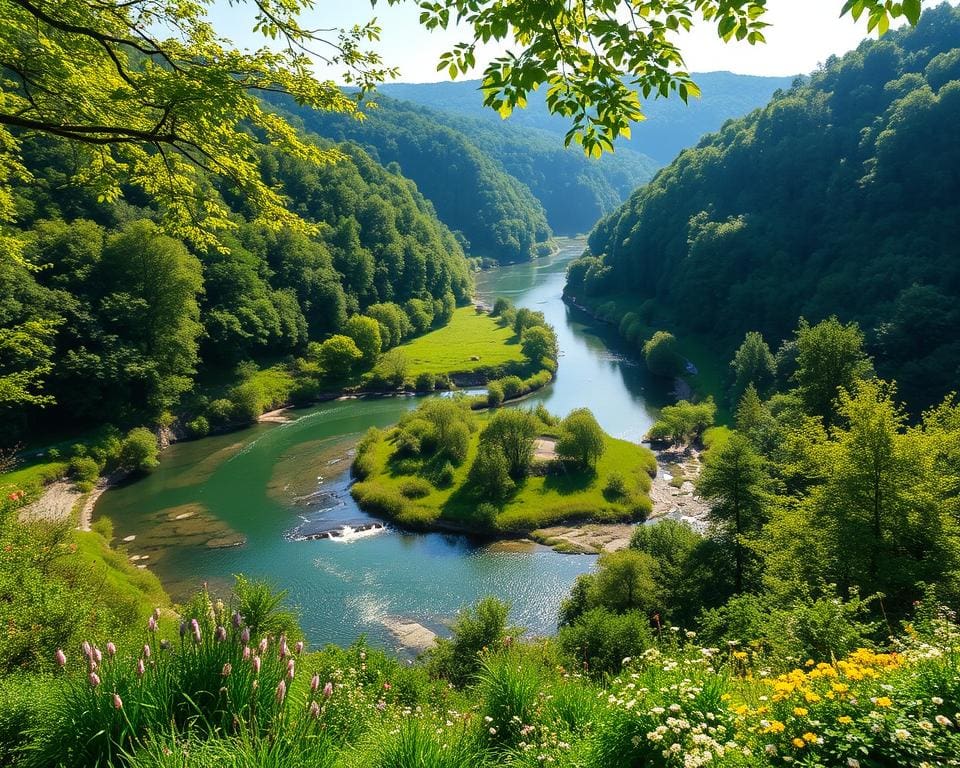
x=495, y=394
x=415, y=488
x=445, y=475
x=600, y=640
x=220, y=412
x=544, y=416
x=198, y=427
x=247, y=399
x=615, y=487
x=500, y=305
x=486, y=514
x=512, y=387
x=475, y=631
x=139, y=452
x=85, y=471
x=662, y=356
x=426, y=382
x=490, y=473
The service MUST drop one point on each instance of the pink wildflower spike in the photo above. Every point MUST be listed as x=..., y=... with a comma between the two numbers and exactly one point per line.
x=61, y=657
x=227, y=669
x=284, y=650
x=220, y=634
x=156, y=613
x=146, y=651
x=141, y=668
x=237, y=619
x=281, y=691
x=246, y=653
x=298, y=648
x=256, y=665
x=92, y=665
x=151, y=624
x=314, y=710
x=262, y=648
x=87, y=649
x=291, y=669
x=94, y=679
x=195, y=628
x=328, y=690
x=314, y=683
x=387, y=686
x=117, y=701
x=97, y=655
x=245, y=635
x=111, y=650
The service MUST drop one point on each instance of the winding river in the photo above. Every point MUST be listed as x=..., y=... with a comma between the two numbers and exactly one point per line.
x=269, y=485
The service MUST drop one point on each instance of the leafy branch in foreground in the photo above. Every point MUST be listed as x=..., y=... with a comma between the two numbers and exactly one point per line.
x=597, y=57
x=163, y=113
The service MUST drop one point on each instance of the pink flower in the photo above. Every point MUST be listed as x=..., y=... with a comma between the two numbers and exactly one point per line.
x=246, y=653
x=97, y=655
x=262, y=648
x=111, y=650
x=146, y=651
x=117, y=701
x=281, y=691
x=256, y=665
x=141, y=668
x=87, y=650
x=284, y=651
x=299, y=647
x=328, y=690
x=291, y=665
x=314, y=710
x=220, y=634
x=314, y=683
x=61, y=657
x=156, y=613
x=195, y=628
x=227, y=669
x=381, y=705
x=387, y=686
x=151, y=624
x=94, y=679
x=245, y=635
x=237, y=619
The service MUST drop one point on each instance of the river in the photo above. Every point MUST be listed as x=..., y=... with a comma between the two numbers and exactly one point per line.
x=265, y=485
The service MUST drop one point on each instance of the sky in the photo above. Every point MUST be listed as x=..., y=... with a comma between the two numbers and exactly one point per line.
x=803, y=34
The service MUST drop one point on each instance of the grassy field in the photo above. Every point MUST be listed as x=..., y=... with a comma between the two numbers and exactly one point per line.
x=468, y=335
x=538, y=501
x=32, y=478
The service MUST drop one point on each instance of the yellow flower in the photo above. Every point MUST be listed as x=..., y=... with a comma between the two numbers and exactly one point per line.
x=883, y=701
x=800, y=711
x=810, y=737
x=809, y=663
x=799, y=743
x=840, y=687
x=844, y=719
x=811, y=696
x=775, y=727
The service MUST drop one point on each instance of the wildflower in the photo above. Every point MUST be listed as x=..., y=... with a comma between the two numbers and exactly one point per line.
x=151, y=624
x=141, y=668
x=281, y=691
x=262, y=648
x=314, y=710
x=111, y=650
x=237, y=619
x=493, y=731
x=740, y=655
x=328, y=690
x=94, y=679
x=146, y=651
x=925, y=725
x=61, y=657
x=810, y=737
x=256, y=665
x=117, y=701
x=245, y=635
x=298, y=648
x=290, y=668
x=799, y=743
x=246, y=653
x=882, y=701
x=770, y=749
x=800, y=711
x=774, y=726
x=314, y=683
x=156, y=613
x=227, y=669
x=381, y=705
x=195, y=628
x=937, y=700
x=902, y=733
x=220, y=634
x=844, y=719
x=97, y=655
x=87, y=650
x=944, y=721
x=852, y=762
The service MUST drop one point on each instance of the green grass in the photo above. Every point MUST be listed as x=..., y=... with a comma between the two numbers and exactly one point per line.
x=32, y=478
x=450, y=349
x=538, y=501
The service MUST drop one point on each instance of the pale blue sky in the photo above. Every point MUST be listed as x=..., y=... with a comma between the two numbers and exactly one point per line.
x=804, y=33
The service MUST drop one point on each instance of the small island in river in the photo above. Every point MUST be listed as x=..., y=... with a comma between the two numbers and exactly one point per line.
x=503, y=473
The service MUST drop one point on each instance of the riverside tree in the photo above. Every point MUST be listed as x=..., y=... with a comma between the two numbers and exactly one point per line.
x=581, y=438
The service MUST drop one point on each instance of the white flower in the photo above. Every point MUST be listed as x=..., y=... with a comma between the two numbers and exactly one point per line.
x=902, y=733
x=944, y=721
x=937, y=700
x=852, y=762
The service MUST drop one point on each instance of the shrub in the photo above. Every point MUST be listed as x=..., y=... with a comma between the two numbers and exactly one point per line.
x=198, y=427
x=474, y=631
x=486, y=514
x=512, y=387
x=85, y=471
x=445, y=475
x=600, y=639
x=662, y=356
x=415, y=488
x=426, y=382
x=220, y=412
x=139, y=452
x=247, y=399
x=544, y=416
x=500, y=305
x=495, y=394
x=615, y=487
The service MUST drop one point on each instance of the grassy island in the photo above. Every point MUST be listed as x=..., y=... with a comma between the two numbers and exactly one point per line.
x=501, y=472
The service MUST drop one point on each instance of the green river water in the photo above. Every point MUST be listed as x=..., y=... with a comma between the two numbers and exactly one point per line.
x=265, y=485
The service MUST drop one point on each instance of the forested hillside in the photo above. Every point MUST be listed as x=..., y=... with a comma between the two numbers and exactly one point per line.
x=670, y=126
x=497, y=216
x=110, y=310
x=839, y=197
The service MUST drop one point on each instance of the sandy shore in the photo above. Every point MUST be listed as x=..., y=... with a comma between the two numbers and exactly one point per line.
x=586, y=539
x=55, y=505
x=279, y=416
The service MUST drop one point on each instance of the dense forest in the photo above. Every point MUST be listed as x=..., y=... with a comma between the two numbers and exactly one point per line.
x=497, y=216
x=670, y=125
x=839, y=197
x=107, y=308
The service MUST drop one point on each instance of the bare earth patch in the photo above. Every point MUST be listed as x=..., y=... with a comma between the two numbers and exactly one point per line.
x=54, y=506
x=544, y=449
x=588, y=539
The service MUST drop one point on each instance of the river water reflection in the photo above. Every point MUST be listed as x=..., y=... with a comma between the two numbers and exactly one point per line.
x=264, y=485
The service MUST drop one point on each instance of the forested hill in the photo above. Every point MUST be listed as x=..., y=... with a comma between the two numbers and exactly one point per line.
x=670, y=126
x=497, y=216
x=842, y=196
x=110, y=312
